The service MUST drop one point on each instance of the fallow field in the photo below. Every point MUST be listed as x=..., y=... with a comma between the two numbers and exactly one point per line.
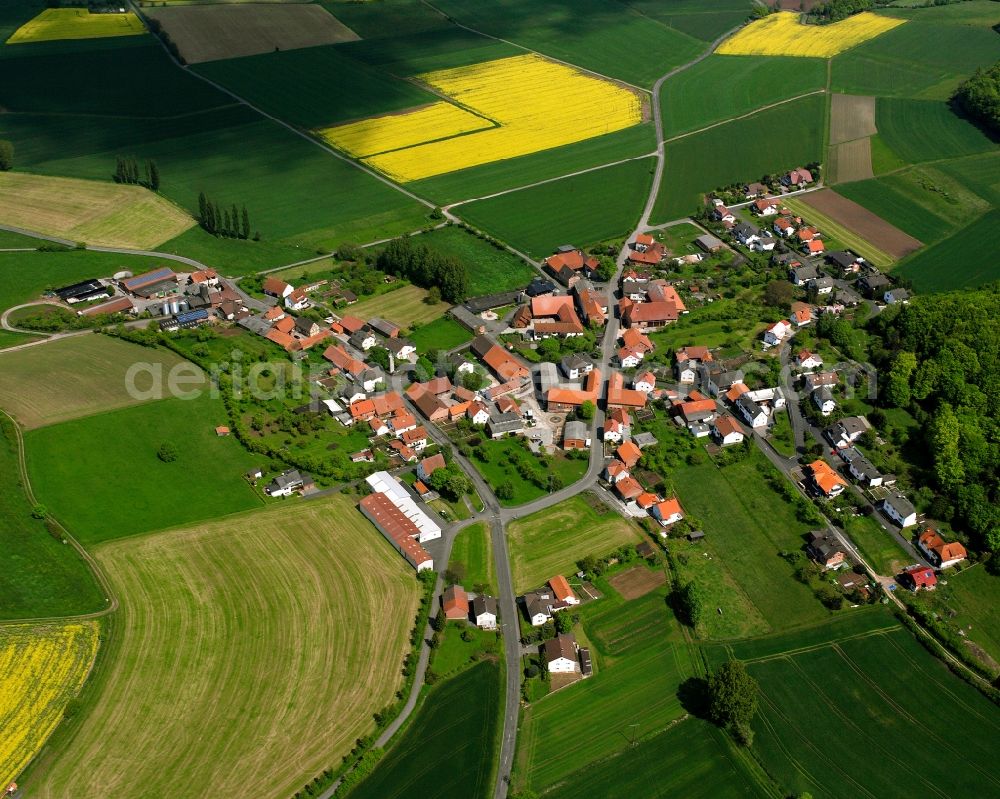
x=76, y=23
x=252, y=650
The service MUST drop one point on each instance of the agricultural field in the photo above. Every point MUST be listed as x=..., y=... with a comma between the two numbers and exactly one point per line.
x=115, y=469
x=330, y=86
x=472, y=555
x=214, y=32
x=368, y=20
x=593, y=34
x=42, y=667
x=748, y=523
x=444, y=333
x=43, y=577
x=693, y=17
x=640, y=662
x=491, y=269
x=927, y=130
x=404, y=306
x=536, y=220
x=448, y=748
x=722, y=87
x=505, y=112
x=855, y=226
x=551, y=541
x=741, y=150
x=851, y=117
x=77, y=377
x=781, y=34
x=54, y=24
x=223, y=619
x=957, y=261
x=850, y=161
x=867, y=743
x=93, y=212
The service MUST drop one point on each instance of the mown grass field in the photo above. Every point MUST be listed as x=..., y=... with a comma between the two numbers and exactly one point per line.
x=926, y=130
x=693, y=759
x=444, y=333
x=43, y=668
x=490, y=269
x=973, y=596
x=472, y=555
x=76, y=23
x=237, y=658
x=640, y=662
x=593, y=34
x=404, y=306
x=876, y=545
x=447, y=750
x=329, y=86
x=539, y=219
x=105, y=214
x=749, y=523
x=551, y=541
x=721, y=87
x=739, y=151
x=115, y=485
x=75, y=377
x=43, y=576
x=956, y=262
x=840, y=705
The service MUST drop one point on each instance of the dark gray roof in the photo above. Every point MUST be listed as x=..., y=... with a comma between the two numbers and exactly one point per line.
x=539, y=286
x=749, y=408
x=841, y=258
x=480, y=304
x=484, y=604
x=900, y=504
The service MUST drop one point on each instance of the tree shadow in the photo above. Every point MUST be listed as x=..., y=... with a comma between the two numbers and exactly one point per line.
x=694, y=698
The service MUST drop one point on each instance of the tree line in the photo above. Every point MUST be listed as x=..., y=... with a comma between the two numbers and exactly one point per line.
x=127, y=171
x=426, y=268
x=229, y=223
x=979, y=97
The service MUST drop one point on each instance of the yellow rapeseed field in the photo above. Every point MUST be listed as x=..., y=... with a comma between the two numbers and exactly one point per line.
x=76, y=23
x=783, y=34
x=536, y=104
x=41, y=668
x=381, y=134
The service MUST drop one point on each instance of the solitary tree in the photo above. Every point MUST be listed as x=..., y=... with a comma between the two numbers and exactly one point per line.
x=6, y=155
x=152, y=175
x=733, y=695
x=167, y=452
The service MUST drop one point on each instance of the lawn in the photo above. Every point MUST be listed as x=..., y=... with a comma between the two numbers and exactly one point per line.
x=847, y=238
x=838, y=714
x=781, y=435
x=455, y=654
x=551, y=541
x=692, y=759
x=594, y=34
x=236, y=659
x=472, y=556
x=957, y=262
x=739, y=151
x=500, y=468
x=404, y=306
x=878, y=547
x=749, y=523
x=973, y=596
x=722, y=87
x=926, y=130
x=444, y=333
x=491, y=269
x=90, y=211
x=329, y=86
x=43, y=577
x=448, y=747
x=76, y=377
x=640, y=662
x=579, y=210
x=115, y=485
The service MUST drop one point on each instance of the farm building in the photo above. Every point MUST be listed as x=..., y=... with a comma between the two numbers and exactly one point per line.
x=397, y=529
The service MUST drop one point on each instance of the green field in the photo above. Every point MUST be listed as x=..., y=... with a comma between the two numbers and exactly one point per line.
x=368, y=19
x=481, y=181
x=491, y=269
x=551, y=541
x=539, y=219
x=444, y=333
x=749, y=523
x=472, y=555
x=115, y=485
x=640, y=662
x=926, y=130
x=722, y=87
x=417, y=52
x=844, y=710
x=694, y=17
x=957, y=261
x=926, y=58
x=496, y=470
x=42, y=576
x=970, y=602
x=692, y=759
x=404, y=306
x=236, y=659
x=447, y=750
x=78, y=376
x=743, y=150
x=455, y=654
x=314, y=86
x=593, y=34
x=978, y=173
x=877, y=546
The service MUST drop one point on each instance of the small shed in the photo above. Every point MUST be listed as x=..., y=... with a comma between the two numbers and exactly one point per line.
x=696, y=535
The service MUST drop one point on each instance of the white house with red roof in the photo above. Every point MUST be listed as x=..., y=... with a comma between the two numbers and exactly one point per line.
x=777, y=332
x=644, y=382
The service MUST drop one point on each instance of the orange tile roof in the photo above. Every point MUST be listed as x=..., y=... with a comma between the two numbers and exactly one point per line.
x=560, y=587
x=636, y=339
x=669, y=507
x=697, y=353
x=550, y=305
x=825, y=477
x=628, y=453
x=352, y=324
x=647, y=500
x=726, y=424
x=628, y=488
x=279, y=338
